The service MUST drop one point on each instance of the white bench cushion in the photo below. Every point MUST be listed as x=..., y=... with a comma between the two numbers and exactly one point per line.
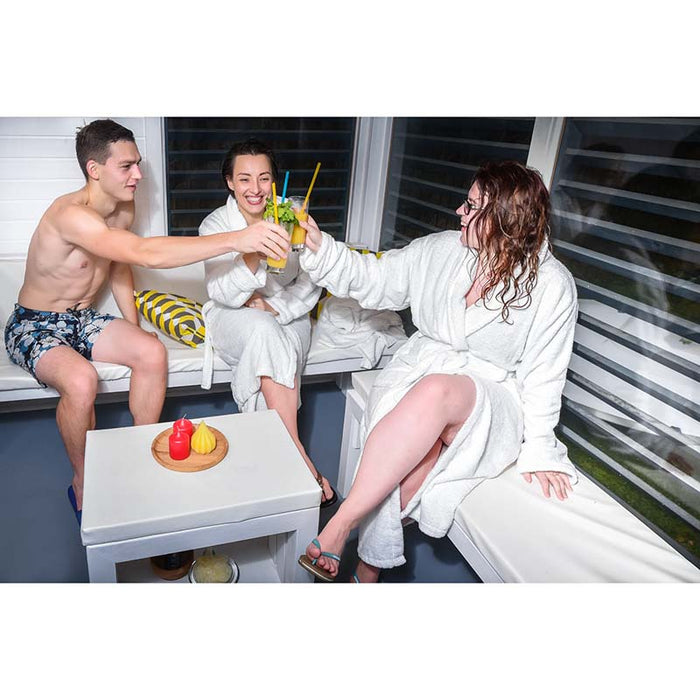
x=184, y=363
x=363, y=382
x=588, y=538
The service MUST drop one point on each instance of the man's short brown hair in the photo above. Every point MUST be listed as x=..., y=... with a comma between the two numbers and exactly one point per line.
x=94, y=140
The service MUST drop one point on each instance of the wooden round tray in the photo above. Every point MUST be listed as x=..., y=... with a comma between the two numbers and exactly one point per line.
x=160, y=449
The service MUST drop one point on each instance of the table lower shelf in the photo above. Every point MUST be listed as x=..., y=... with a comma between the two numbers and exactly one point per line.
x=252, y=556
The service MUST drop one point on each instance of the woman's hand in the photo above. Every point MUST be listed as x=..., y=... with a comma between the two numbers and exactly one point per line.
x=313, y=234
x=556, y=480
x=263, y=237
x=258, y=302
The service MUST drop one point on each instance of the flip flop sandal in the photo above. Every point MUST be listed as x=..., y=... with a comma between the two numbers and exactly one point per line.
x=329, y=501
x=74, y=503
x=310, y=564
x=356, y=579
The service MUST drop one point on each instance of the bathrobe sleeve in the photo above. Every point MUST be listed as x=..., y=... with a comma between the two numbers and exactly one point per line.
x=228, y=279
x=541, y=375
x=295, y=300
x=376, y=283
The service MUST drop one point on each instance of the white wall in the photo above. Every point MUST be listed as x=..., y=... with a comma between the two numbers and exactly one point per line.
x=38, y=163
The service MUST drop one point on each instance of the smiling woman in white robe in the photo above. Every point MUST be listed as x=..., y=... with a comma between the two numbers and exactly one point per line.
x=475, y=389
x=258, y=323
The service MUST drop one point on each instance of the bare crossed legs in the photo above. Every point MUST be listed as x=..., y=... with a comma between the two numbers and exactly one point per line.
x=285, y=401
x=75, y=379
x=401, y=450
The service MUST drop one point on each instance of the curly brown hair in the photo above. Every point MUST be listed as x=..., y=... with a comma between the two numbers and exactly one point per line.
x=511, y=226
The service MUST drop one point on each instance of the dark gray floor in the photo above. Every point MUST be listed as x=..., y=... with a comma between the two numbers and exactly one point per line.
x=39, y=536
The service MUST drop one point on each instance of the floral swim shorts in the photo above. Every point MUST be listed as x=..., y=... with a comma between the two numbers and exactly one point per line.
x=29, y=333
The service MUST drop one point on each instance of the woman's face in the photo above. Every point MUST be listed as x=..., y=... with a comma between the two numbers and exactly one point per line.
x=251, y=183
x=467, y=212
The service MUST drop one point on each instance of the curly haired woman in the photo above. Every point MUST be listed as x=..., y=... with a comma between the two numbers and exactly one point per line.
x=477, y=387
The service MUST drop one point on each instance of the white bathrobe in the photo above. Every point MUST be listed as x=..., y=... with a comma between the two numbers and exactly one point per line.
x=518, y=367
x=252, y=342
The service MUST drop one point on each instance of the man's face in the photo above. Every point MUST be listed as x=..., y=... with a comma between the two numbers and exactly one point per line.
x=120, y=174
x=251, y=184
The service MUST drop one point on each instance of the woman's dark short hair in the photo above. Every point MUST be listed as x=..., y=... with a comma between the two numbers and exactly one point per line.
x=94, y=140
x=250, y=147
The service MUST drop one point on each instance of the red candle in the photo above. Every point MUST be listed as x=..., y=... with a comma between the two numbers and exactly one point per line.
x=184, y=425
x=179, y=444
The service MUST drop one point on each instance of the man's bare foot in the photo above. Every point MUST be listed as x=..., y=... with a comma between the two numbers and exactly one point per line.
x=78, y=490
x=366, y=573
x=327, y=489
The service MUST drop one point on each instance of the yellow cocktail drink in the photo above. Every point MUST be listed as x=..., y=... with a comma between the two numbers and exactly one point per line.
x=298, y=233
x=277, y=267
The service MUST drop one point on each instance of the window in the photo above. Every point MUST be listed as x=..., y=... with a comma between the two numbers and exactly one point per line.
x=432, y=161
x=196, y=149
x=626, y=223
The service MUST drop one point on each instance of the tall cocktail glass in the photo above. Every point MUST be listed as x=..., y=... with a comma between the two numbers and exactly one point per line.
x=286, y=219
x=299, y=233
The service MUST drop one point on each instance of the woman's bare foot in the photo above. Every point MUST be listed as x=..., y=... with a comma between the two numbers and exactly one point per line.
x=332, y=539
x=366, y=573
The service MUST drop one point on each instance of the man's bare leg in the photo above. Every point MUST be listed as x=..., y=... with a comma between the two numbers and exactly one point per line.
x=124, y=343
x=75, y=379
x=285, y=401
x=434, y=409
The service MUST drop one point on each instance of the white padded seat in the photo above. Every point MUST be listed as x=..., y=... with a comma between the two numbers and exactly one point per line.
x=184, y=363
x=589, y=538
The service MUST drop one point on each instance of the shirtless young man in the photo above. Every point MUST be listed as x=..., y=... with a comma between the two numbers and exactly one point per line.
x=81, y=242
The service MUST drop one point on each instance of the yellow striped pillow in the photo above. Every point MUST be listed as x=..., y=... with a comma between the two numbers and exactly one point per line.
x=175, y=315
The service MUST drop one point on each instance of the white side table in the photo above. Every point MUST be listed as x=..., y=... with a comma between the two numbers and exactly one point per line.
x=262, y=493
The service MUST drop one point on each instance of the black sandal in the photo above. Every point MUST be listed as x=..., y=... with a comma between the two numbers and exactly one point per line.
x=329, y=501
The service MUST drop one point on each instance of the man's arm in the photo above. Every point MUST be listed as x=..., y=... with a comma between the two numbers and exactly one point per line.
x=121, y=282
x=81, y=226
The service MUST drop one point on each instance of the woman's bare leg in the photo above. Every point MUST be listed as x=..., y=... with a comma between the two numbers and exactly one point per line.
x=285, y=401
x=403, y=441
x=408, y=489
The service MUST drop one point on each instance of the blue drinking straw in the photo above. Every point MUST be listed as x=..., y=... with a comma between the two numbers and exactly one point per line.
x=284, y=187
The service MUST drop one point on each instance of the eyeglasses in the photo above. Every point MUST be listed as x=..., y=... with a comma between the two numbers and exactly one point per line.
x=469, y=207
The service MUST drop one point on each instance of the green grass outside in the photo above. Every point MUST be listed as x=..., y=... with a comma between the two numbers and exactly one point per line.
x=676, y=491
x=686, y=536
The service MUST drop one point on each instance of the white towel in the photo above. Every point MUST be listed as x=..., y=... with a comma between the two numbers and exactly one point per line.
x=343, y=323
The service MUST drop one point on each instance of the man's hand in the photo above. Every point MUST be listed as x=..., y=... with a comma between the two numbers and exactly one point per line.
x=557, y=480
x=313, y=234
x=263, y=237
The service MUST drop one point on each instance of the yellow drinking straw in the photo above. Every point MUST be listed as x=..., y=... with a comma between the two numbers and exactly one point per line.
x=274, y=201
x=311, y=186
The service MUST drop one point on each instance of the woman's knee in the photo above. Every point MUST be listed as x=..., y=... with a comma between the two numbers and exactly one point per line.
x=453, y=396
x=435, y=389
x=266, y=324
